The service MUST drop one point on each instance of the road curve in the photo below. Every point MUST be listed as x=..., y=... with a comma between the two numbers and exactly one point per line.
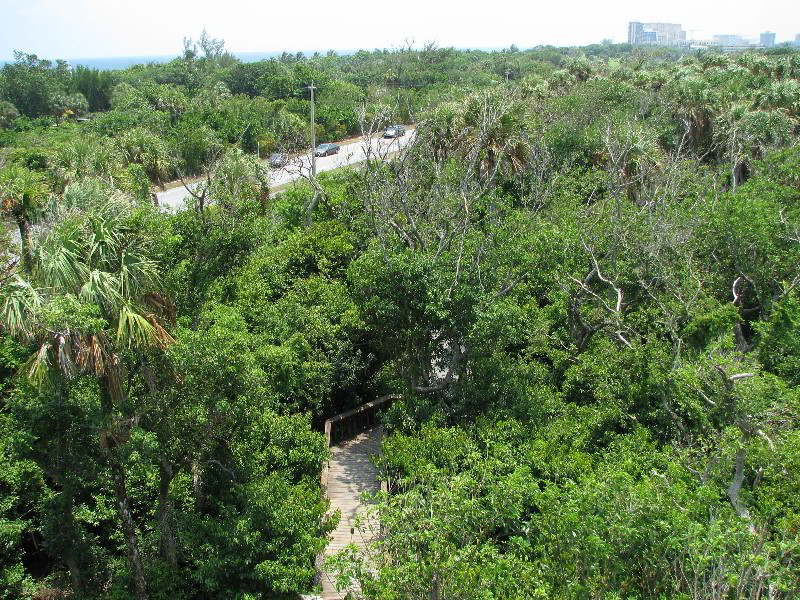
x=349, y=154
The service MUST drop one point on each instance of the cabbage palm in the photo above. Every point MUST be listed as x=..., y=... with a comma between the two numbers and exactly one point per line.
x=92, y=298
x=747, y=133
x=84, y=157
x=696, y=102
x=781, y=95
x=494, y=134
x=22, y=192
x=147, y=149
x=100, y=266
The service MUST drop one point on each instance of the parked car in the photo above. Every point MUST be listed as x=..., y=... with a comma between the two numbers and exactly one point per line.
x=326, y=149
x=394, y=131
x=278, y=159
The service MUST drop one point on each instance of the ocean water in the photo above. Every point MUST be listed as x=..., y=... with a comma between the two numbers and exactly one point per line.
x=118, y=62
x=123, y=62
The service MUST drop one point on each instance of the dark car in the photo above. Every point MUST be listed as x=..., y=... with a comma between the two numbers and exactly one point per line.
x=278, y=159
x=394, y=131
x=326, y=149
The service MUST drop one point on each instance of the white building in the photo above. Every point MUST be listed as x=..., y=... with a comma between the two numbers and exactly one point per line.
x=767, y=39
x=666, y=34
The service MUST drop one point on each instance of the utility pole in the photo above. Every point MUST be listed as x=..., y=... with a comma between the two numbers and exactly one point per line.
x=313, y=133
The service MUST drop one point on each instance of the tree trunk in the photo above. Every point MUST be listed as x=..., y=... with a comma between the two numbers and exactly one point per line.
x=128, y=527
x=264, y=198
x=121, y=494
x=197, y=486
x=741, y=340
x=167, y=540
x=310, y=208
x=74, y=572
x=69, y=555
x=736, y=486
x=193, y=295
x=25, y=243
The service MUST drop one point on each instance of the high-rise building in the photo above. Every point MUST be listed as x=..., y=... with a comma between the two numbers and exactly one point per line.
x=635, y=30
x=797, y=39
x=767, y=39
x=655, y=33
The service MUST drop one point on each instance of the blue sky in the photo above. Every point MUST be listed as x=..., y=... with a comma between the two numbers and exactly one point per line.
x=102, y=28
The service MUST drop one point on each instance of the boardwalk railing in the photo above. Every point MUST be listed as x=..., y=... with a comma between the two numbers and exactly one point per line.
x=352, y=422
x=338, y=429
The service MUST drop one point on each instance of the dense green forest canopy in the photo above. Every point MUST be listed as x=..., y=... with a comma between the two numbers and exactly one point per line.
x=582, y=277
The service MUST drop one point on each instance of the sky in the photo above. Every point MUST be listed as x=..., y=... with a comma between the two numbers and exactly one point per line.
x=111, y=28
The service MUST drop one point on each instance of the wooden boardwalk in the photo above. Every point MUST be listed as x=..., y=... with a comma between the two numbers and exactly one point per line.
x=349, y=474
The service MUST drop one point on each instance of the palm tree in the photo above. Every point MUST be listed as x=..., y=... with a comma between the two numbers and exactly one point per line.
x=494, y=134
x=783, y=95
x=84, y=157
x=22, y=192
x=147, y=149
x=93, y=296
x=695, y=101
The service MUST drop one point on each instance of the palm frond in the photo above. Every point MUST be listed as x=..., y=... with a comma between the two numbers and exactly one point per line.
x=64, y=359
x=101, y=288
x=114, y=374
x=58, y=255
x=37, y=367
x=134, y=330
x=104, y=235
x=92, y=355
x=21, y=190
x=137, y=274
x=21, y=302
x=161, y=336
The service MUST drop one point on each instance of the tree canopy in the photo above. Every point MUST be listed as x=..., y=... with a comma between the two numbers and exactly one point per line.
x=581, y=280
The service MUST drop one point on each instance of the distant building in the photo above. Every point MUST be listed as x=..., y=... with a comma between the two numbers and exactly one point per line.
x=648, y=37
x=797, y=39
x=666, y=34
x=635, y=30
x=728, y=39
x=767, y=39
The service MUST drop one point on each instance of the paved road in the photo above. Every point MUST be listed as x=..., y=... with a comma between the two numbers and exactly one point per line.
x=349, y=154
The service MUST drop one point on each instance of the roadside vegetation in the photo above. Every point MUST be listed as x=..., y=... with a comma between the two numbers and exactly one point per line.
x=582, y=277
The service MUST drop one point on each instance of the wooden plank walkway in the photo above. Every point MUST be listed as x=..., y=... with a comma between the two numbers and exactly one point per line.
x=349, y=474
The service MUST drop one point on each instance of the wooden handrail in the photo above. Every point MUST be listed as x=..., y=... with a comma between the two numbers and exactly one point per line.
x=362, y=409
x=372, y=405
x=367, y=412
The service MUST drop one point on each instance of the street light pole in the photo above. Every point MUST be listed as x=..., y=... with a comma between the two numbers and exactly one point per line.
x=313, y=133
